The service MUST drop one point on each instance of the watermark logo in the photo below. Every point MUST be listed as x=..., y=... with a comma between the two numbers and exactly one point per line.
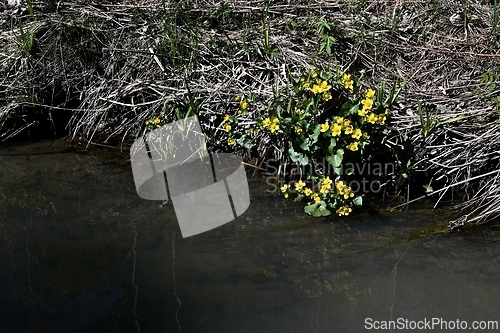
x=172, y=163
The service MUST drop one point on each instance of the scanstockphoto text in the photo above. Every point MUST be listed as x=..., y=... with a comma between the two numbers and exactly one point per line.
x=363, y=177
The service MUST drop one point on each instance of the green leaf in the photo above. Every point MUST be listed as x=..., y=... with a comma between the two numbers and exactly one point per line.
x=358, y=201
x=297, y=157
x=336, y=160
x=317, y=130
x=317, y=209
x=298, y=198
x=345, y=108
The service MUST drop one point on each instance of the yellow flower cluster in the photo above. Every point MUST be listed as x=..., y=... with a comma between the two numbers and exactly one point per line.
x=320, y=87
x=243, y=103
x=272, y=125
x=344, y=210
x=366, y=103
x=284, y=189
x=154, y=122
x=340, y=124
x=344, y=190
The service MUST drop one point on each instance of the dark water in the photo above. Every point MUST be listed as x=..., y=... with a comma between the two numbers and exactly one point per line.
x=81, y=252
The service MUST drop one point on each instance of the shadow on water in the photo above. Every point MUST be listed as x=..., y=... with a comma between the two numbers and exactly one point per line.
x=81, y=252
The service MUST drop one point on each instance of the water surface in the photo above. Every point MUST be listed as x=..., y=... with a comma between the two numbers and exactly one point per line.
x=81, y=252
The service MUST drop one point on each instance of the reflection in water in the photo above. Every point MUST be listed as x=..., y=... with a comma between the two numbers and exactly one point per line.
x=81, y=252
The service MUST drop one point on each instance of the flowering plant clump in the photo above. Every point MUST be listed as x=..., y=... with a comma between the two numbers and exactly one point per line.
x=326, y=116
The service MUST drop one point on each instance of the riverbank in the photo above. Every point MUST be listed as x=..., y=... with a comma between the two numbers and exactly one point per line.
x=99, y=71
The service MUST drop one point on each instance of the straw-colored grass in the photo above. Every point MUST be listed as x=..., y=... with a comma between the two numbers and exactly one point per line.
x=115, y=65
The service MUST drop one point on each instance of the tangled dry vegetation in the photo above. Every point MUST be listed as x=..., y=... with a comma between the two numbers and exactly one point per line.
x=112, y=65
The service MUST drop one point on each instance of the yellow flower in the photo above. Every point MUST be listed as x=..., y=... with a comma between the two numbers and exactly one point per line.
x=347, y=82
x=231, y=141
x=299, y=185
x=381, y=119
x=284, y=188
x=367, y=103
x=316, y=197
x=250, y=131
x=305, y=84
x=370, y=93
x=285, y=195
x=353, y=146
x=356, y=134
x=336, y=129
x=327, y=181
x=372, y=118
x=298, y=129
x=340, y=185
x=344, y=210
x=348, y=130
x=365, y=135
x=346, y=192
x=156, y=120
x=327, y=96
x=324, y=127
x=227, y=117
x=266, y=122
x=316, y=89
x=387, y=111
x=307, y=191
x=243, y=105
x=237, y=98
x=347, y=123
x=362, y=112
x=299, y=111
x=274, y=127
x=324, y=86
x=276, y=121
x=339, y=120
x=147, y=122
x=324, y=189
x=314, y=75
x=227, y=127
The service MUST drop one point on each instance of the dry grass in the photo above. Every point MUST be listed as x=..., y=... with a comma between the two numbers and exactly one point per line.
x=114, y=65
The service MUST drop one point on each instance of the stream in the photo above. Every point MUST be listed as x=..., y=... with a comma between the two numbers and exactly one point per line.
x=80, y=251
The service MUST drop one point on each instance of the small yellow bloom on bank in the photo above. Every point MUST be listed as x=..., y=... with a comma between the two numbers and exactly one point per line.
x=336, y=129
x=372, y=118
x=344, y=210
x=356, y=134
x=353, y=146
x=231, y=141
x=370, y=93
x=347, y=82
x=307, y=191
x=299, y=185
